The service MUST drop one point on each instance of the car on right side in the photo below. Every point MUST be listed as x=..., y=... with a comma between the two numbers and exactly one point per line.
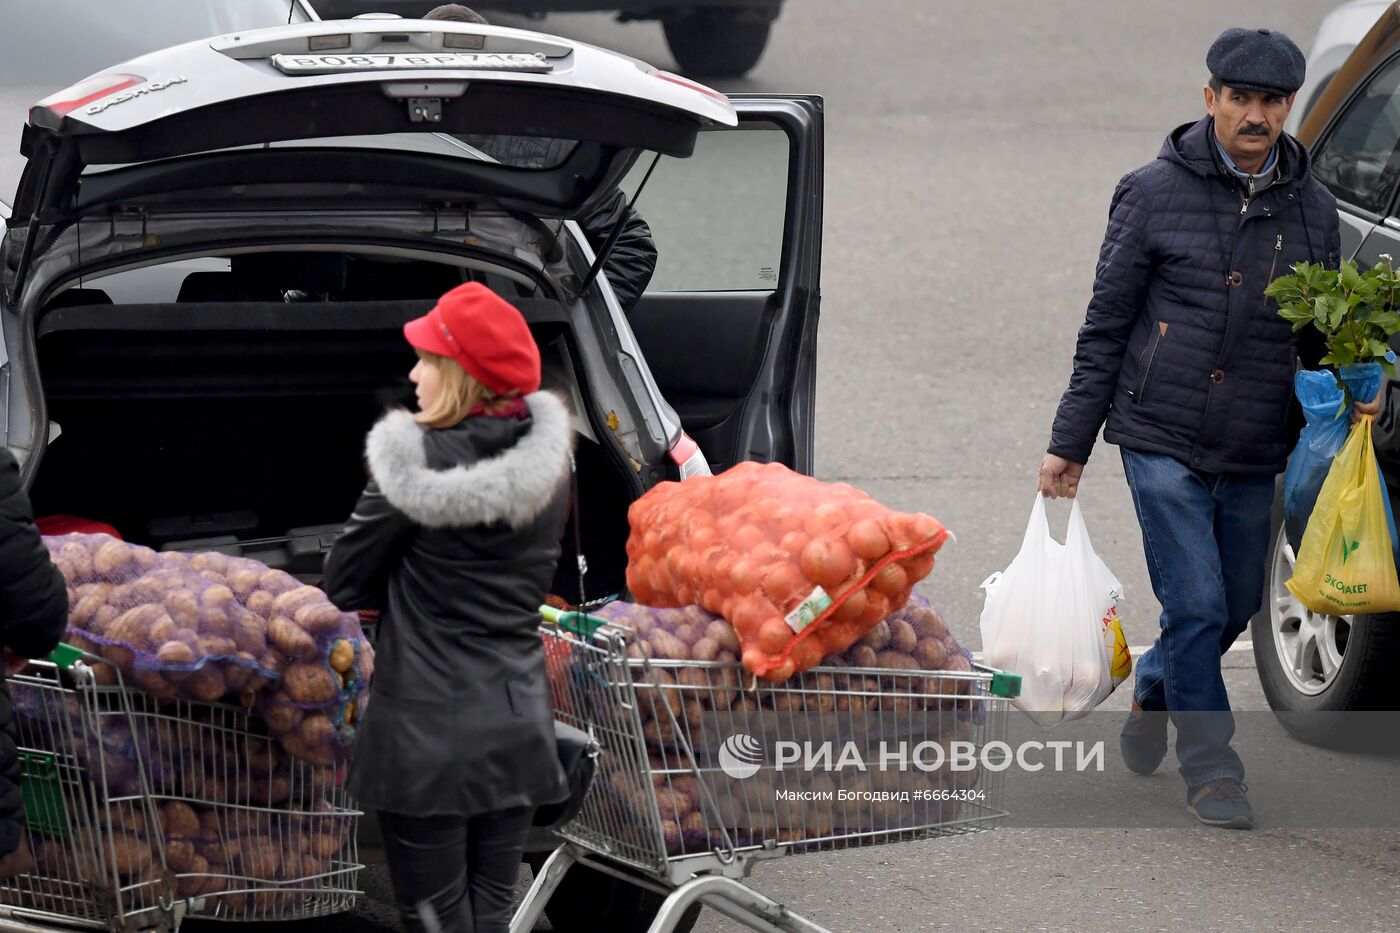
x=1314, y=666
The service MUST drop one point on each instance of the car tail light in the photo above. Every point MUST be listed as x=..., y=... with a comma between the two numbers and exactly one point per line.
x=84, y=93
x=677, y=79
x=688, y=458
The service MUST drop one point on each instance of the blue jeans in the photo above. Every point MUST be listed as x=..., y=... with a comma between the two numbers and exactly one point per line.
x=1207, y=541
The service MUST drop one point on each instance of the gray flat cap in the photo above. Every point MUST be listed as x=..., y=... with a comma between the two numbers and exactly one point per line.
x=1257, y=60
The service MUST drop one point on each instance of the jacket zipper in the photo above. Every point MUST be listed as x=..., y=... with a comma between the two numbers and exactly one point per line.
x=1151, y=354
x=1273, y=266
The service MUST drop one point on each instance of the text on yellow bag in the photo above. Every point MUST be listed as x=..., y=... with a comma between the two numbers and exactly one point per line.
x=1345, y=563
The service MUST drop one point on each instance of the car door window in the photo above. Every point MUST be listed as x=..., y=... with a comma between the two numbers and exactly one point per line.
x=1358, y=159
x=717, y=218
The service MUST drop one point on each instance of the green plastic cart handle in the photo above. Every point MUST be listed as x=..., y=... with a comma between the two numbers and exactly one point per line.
x=579, y=623
x=65, y=656
x=1005, y=684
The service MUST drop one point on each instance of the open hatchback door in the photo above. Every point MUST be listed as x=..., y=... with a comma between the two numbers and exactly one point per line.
x=336, y=104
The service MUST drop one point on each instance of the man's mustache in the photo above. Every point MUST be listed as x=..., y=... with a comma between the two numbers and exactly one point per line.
x=1254, y=129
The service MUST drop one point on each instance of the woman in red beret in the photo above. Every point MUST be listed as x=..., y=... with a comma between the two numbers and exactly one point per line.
x=455, y=539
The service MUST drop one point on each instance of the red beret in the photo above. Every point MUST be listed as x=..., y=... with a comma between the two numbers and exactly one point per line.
x=485, y=334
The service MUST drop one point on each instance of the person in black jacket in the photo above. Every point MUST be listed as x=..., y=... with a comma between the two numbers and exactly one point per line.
x=1192, y=367
x=33, y=615
x=630, y=265
x=455, y=540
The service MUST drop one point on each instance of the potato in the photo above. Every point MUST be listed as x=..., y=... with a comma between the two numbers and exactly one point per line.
x=82, y=608
x=270, y=791
x=260, y=603
x=290, y=639
x=724, y=635
x=132, y=628
x=154, y=684
x=318, y=618
x=178, y=819
x=317, y=731
x=79, y=560
x=894, y=660
x=863, y=655
x=877, y=638
x=215, y=647
x=277, y=582
x=210, y=560
x=114, y=559
x=130, y=853
x=243, y=583
x=180, y=855
x=666, y=646
x=342, y=656
x=930, y=654
x=175, y=652
x=183, y=607
x=205, y=684
x=310, y=683
x=688, y=633
x=289, y=602
x=902, y=636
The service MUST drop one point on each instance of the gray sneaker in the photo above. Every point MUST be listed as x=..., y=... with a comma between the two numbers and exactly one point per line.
x=1221, y=802
x=1143, y=741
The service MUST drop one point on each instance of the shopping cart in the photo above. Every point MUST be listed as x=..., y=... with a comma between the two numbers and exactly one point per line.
x=88, y=804
x=691, y=795
x=144, y=812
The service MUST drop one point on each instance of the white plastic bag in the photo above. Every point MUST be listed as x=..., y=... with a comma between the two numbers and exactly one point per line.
x=1052, y=618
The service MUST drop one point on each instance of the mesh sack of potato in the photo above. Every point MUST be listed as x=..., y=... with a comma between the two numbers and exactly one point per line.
x=801, y=568
x=171, y=631
x=206, y=626
x=689, y=634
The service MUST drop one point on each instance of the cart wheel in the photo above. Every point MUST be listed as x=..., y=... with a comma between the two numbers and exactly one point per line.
x=588, y=900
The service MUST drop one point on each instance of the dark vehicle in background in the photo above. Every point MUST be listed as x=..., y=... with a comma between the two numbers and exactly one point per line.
x=1311, y=665
x=709, y=38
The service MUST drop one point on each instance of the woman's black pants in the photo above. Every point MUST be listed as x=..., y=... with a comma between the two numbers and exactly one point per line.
x=454, y=874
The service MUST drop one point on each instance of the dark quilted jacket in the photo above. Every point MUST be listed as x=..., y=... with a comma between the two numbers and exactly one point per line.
x=1180, y=350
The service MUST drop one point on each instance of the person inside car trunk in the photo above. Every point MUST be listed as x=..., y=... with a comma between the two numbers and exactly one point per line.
x=1192, y=368
x=630, y=265
x=33, y=615
x=455, y=539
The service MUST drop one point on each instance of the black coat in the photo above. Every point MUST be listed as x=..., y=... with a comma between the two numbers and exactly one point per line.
x=1180, y=350
x=456, y=539
x=630, y=265
x=33, y=615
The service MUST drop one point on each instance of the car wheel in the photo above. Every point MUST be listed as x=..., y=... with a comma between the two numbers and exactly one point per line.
x=588, y=900
x=716, y=43
x=1314, y=668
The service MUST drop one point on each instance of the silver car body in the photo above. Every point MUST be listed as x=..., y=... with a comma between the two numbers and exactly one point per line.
x=1338, y=34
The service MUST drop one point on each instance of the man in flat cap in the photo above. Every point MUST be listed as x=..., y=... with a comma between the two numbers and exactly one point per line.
x=1192, y=369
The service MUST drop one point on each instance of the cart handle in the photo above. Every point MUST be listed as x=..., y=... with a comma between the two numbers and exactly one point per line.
x=65, y=656
x=1005, y=684
x=579, y=623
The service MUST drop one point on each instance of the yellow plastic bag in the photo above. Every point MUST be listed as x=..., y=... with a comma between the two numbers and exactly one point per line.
x=1345, y=564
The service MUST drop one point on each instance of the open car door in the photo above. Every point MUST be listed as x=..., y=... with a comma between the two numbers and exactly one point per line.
x=729, y=322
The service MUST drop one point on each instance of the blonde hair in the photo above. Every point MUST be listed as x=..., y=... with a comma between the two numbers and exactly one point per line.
x=459, y=393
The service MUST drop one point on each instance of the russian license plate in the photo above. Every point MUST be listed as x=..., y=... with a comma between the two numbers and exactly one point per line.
x=431, y=61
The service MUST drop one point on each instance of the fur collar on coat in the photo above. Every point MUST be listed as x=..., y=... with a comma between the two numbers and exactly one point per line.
x=514, y=486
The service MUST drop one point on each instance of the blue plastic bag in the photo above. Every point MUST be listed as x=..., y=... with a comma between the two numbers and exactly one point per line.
x=1328, y=424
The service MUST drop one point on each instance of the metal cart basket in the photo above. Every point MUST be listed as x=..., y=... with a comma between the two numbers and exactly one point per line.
x=704, y=772
x=144, y=812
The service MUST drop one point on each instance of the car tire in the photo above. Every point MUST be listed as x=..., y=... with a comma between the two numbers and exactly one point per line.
x=588, y=900
x=716, y=42
x=1311, y=694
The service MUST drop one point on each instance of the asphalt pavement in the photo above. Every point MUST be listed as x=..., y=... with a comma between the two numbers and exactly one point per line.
x=971, y=151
